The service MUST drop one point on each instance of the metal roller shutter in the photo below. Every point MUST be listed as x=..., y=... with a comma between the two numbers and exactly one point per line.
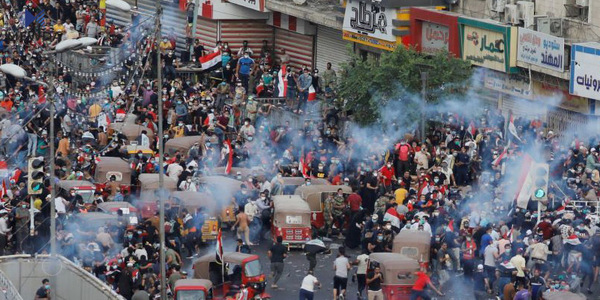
x=253, y=31
x=120, y=18
x=523, y=108
x=207, y=32
x=562, y=121
x=330, y=48
x=174, y=21
x=298, y=47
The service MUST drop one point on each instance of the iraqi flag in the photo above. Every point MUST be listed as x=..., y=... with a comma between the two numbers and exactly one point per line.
x=471, y=129
x=496, y=162
x=211, y=60
x=303, y=167
x=260, y=88
x=219, y=255
x=3, y=190
x=41, y=95
x=512, y=129
x=229, y=151
x=312, y=94
x=392, y=216
x=282, y=81
x=525, y=183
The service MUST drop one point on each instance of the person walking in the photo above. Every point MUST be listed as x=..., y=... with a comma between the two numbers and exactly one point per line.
x=374, y=281
x=307, y=290
x=341, y=265
x=277, y=254
x=418, y=289
x=361, y=263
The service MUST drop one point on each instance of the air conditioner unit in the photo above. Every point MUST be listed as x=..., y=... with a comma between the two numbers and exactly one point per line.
x=498, y=5
x=526, y=12
x=511, y=14
x=583, y=3
x=552, y=26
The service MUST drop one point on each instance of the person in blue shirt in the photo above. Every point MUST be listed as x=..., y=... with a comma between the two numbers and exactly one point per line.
x=243, y=69
x=304, y=83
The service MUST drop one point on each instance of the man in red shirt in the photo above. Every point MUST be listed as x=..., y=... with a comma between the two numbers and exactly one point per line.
x=354, y=201
x=404, y=150
x=387, y=175
x=418, y=289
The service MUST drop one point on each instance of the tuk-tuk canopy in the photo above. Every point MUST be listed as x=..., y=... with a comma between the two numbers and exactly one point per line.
x=107, y=166
x=413, y=243
x=312, y=194
x=184, y=283
x=396, y=268
x=69, y=184
x=149, y=182
x=134, y=149
x=193, y=200
x=183, y=144
x=298, y=181
x=221, y=183
x=113, y=206
x=290, y=211
x=131, y=131
x=202, y=264
x=245, y=172
x=95, y=220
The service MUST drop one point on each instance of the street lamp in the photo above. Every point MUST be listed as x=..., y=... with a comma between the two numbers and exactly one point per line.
x=124, y=6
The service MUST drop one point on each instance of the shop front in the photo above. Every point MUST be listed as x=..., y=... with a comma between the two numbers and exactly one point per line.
x=434, y=30
x=488, y=44
x=294, y=40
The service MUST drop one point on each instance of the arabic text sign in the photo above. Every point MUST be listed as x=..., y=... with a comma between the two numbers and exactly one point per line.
x=370, y=20
x=258, y=5
x=484, y=48
x=585, y=73
x=434, y=37
x=293, y=220
x=541, y=49
x=507, y=84
x=369, y=41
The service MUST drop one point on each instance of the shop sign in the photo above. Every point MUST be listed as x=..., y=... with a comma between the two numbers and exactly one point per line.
x=585, y=70
x=540, y=49
x=485, y=48
x=370, y=20
x=434, y=37
x=258, y=5
x=508, y=84
x=369, y=41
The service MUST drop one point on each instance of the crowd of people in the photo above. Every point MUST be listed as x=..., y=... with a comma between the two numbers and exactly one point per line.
x=455, y=184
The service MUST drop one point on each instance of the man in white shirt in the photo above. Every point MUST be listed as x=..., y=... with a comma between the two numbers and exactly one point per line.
x=60, y=204
x=422, y=158
x=307, y=290
x=174, y=170
x=144, y=139
x=341, y=265
x=361, y=263
x=251, y=210
x=188, y=185
x=4, y=230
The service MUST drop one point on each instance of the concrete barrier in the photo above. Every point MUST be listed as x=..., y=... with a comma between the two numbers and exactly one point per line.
x=68, y=280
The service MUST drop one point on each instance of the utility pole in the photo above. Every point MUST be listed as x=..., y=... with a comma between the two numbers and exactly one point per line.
x=424, y=97
x=161, y=157
x=53, y=251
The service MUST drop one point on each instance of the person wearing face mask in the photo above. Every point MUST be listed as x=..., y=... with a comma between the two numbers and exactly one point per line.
x=188, y=185
x=243, y=69
x=43, y=293
x=387, y=175
x=4, y=230
x=469, y=252
x=247, y=130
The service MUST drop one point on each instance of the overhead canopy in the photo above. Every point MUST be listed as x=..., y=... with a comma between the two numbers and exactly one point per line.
x=201, y=265
x=107, y=164
x=413, y=243
x=149, y=181
x=181, y=283
x=69, y=184
x=396, y=268
x=183, y=144
x=131, y=131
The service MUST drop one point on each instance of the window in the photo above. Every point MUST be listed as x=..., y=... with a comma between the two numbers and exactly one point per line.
x=253, y=268
x=191, y=295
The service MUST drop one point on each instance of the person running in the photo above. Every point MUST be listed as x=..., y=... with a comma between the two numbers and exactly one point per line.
x=418, y=289
x=341, y=265
x=361, y=263
x=277, y=254
x=307, y=290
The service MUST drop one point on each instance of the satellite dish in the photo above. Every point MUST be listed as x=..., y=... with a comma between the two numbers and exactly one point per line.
x=13, y=70
x=119, y=4
x=67, y=45
x=87, y=41
x=299, y=2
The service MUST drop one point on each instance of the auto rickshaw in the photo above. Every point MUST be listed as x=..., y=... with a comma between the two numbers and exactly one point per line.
x=91, y=221
x=131, y=131
x=183, y=144
x=398, y=273
x=414, y=244
x=315, y=196
x=291, y=183
x=148, y=186
x=107, y=166
x=291, y=220
x=243, y=172
x=83, y=188
x=112, y=207
x=237, y=269
x=192, y=289
x=195, y=200
x=133, y=150
x=226, y=188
